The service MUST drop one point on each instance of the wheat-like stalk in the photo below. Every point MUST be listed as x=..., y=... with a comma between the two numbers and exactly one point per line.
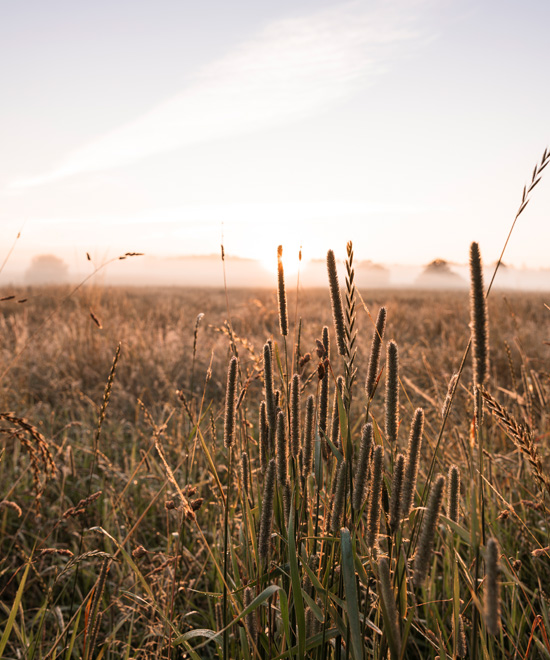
x=520, y=437
x=351, y=330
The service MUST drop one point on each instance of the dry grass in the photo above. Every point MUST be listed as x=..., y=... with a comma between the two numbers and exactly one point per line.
x=144, y=475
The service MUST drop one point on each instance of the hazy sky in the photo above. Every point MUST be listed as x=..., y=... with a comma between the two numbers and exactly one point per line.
x=408, y=126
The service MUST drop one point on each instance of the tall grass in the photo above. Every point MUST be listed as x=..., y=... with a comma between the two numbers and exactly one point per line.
x=332, y=539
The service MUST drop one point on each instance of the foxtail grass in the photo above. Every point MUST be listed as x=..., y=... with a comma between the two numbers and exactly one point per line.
x=453, y=493
x=361, y=470
x=413, y=460
x=492, y=587
x=336, y=302
x=479, y=328
x=281, y=293
x=423, y=556
x=396, y=493
x=295, y=408
x=392, y=393
x=271, y=405
x=282, y=450
x=323, y=372
x=230, y=403
x=263, y=437
x=375, y=493
x=266, y=516
x=375, y=350
x=339, y=499
x=309, y=430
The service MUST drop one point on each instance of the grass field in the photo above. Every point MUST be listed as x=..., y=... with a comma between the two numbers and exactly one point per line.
x=141, y=516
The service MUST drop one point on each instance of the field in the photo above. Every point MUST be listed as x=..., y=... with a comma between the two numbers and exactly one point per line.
x=142, y=515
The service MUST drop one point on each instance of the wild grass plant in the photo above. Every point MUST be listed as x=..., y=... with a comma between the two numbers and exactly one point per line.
x=210, y=488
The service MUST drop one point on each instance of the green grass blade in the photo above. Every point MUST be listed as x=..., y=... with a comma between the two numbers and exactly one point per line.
x=72, y=641
x=350, y=589
x=296, y=584
x=283, y=599
x=266, y=593
x=13, y=611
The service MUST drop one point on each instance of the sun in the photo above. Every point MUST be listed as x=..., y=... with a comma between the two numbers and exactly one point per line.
x=292, y=259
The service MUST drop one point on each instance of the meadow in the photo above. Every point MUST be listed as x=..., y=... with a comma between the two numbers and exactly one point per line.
x=182, y=480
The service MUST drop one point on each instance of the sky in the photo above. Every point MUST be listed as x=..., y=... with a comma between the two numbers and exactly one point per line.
x=167, y=127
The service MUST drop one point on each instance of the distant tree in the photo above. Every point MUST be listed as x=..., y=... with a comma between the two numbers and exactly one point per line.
x=47, y=269
x=438, y=273
x=438, y=267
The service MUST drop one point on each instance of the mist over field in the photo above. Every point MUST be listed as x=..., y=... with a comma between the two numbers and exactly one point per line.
x=207, y=271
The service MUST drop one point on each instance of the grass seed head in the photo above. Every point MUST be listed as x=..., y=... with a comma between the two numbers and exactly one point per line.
x=426, y=538
x=396, y=490
x=479, y=327
x=453, y=493
x=373, y=518
x=230, y=403
x=392, y=393
x=307, y=449
x=263, y=440
x=336, y=301
x=266, y=516
x=413, y=459
x=339, y=497
x=492, y=587
x=295, y=386
x=282, y=450
x=362, y=467
x=375, y=350
x=244, y=472
x=281, y=293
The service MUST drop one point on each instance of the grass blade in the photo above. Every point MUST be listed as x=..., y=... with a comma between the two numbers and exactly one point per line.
x=13, y=611
x=350, y=589
x=296, y=584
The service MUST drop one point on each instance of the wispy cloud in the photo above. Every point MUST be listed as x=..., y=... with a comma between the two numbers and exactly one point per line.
x=290, y=70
